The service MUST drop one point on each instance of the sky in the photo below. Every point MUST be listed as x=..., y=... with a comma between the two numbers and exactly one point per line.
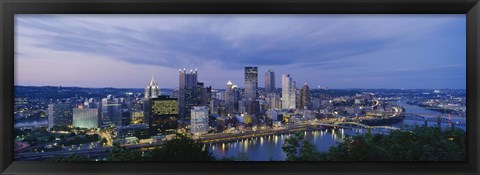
x=336, y=51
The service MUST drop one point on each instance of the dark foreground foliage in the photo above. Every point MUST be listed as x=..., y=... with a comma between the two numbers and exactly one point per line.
x=420, y=144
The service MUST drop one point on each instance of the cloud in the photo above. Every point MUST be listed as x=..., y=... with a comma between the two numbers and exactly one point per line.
x=230, y=42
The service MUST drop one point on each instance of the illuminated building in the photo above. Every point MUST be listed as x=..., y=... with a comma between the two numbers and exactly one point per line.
x=288, y=92
x=86, y=118
x=199, y=120
x=305, y=98
x=251, y=83
x=139, y=131
x=164, y=116
x=188, y=92
x=229, y=98
x=269, y=81
x=59, y=115
x=111, y=113
x=152, y=90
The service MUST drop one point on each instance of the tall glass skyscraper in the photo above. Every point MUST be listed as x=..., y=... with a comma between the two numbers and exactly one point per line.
x=269, y=81
x=251, y=83
x=187, y=92
x=288, y=92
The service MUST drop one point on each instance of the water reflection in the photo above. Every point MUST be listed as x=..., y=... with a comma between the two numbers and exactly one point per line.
x=270, y=147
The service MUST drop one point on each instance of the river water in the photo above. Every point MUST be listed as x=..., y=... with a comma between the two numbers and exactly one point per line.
x=270, y=147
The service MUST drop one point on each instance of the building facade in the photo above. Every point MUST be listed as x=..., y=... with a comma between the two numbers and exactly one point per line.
x=59, y=115
x=152, y=90
x=251, y=83
x=288, y=92
x=269, y=81
x=199, y=120
x=86, y=118
x=164, y=115
x=305, y=98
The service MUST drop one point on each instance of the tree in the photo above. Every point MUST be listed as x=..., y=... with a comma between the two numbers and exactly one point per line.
x=420, y=144
x=119, y=153
x=182, y=148
x=298, y=149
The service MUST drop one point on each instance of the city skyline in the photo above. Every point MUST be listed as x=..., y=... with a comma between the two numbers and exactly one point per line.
x=337, y=51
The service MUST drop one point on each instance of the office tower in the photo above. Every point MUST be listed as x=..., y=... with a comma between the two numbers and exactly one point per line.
x=199, y=120
x=59, y=115
x=229, y=98
x=111, y=113
x=187, y=92
x=305, y=97
x=86, y=118
x=269, y=81
x=203, y=94
x=251, y=83
x=164, y=115
x=152, y=90
x=288, y=92
x=274, y=101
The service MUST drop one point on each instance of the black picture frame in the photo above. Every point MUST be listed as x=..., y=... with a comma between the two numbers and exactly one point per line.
x=8, y=8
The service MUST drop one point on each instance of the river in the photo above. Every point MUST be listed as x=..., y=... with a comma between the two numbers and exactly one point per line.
x=270, y=147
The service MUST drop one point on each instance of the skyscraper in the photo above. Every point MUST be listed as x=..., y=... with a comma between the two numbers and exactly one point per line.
x=251, y=83
x=288, y=92
x=229, y=98
x=187, y=92
x=59, y=115
x=305, y=97
x=152, y=90
x=269, y=81
x=111, y=113
x=199, y=120
x=164, y=115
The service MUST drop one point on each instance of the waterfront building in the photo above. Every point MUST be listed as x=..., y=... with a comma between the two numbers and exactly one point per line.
x=199, y=120
x=305, y=98
x=164, y=115
x=59, y=115
x=86, y=118
x=288, y=92
x=269, y=81
x=251, y=83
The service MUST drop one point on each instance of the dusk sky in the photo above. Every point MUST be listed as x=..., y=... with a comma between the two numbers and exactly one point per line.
x=337, y=51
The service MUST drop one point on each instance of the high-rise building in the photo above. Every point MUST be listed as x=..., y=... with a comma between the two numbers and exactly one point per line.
x=164, y=115
x=288, y=92
x=59, y=115
x=199, y=120
x=274, y=101
x=111, y=113
x=269, y=81
x=86, y=118
x=229, y=98
x=152, y=90
x=305, y=98
x=251, y=83
x=187, y=92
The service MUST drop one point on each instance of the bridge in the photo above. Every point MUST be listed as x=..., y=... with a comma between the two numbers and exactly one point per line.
x=340, y=124
x=453, y=119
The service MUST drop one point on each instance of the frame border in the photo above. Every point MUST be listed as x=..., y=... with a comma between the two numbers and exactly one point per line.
x=8, y=8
